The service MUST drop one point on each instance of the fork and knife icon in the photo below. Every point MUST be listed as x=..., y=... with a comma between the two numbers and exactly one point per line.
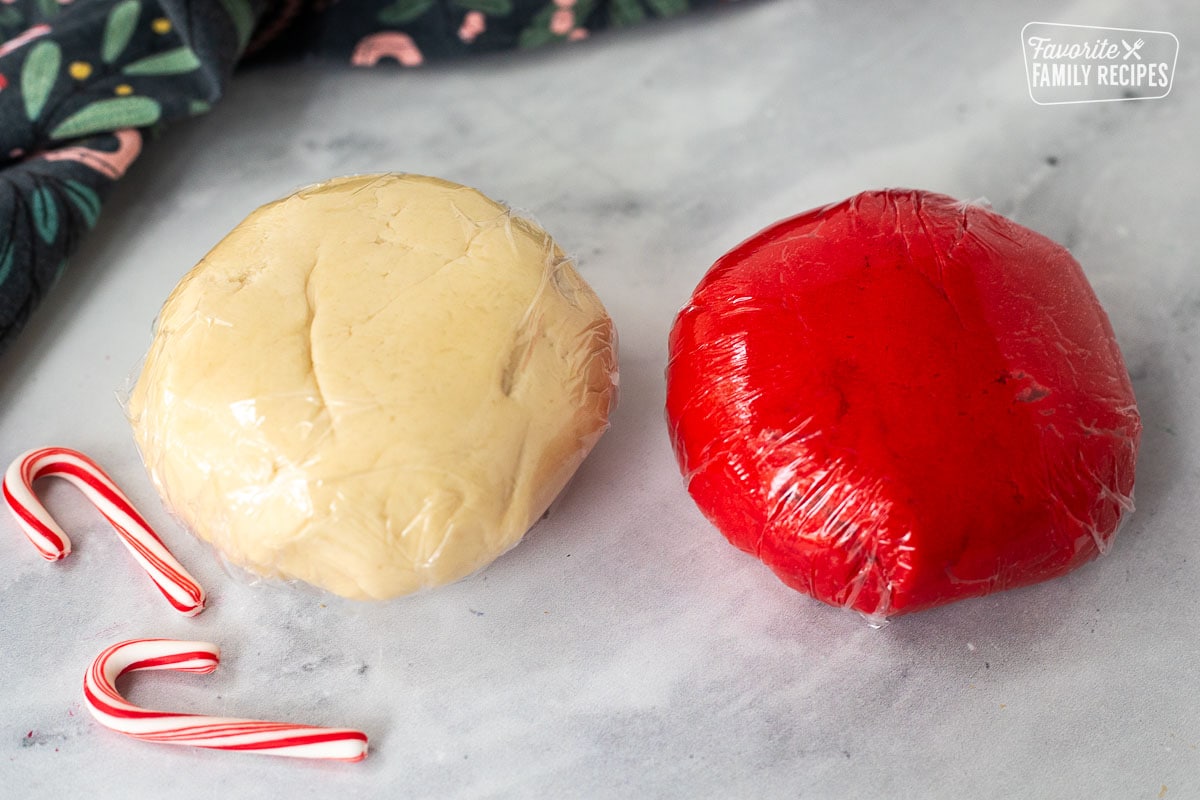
x=1132, y=49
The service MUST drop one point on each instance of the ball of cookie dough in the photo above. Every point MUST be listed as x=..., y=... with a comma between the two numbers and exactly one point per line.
x=375, y=385
x=902, y=400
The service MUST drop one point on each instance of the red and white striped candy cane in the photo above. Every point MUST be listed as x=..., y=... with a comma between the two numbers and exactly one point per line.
x=217, y=733
x=180, y=588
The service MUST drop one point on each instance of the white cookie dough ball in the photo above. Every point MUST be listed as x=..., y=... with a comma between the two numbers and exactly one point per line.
x=375, y=385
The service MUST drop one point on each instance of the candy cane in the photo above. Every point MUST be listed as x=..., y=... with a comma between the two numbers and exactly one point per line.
x=180, y=588
x=217, y=733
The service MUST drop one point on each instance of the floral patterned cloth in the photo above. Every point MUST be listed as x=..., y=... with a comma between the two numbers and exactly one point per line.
x=81, y=80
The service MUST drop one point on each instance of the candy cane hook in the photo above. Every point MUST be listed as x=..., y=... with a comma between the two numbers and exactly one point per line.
x=217, y=733
x=180, y=588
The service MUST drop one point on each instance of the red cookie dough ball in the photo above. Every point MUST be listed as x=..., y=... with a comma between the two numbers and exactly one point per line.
x=903, y=400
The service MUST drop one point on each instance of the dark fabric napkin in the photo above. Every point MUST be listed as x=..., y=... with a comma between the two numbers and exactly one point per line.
x=82, y=80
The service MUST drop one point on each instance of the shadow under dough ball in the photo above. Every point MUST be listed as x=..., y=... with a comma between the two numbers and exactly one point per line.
x=903, y=400
x=375, y=385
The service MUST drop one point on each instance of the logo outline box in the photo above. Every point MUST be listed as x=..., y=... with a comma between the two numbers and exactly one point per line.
x=1029, y=76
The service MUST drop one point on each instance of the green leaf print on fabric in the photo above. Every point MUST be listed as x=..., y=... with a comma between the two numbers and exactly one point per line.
x=538, y=33
x=109, y=115
x=38, y=76
x=6, y=261
x=242, y=16
x=403, y=11
x=10, y=17
x=172, y=62
x=540, y=30
x=627, y=12
x=85, y=199
x=493, y=8
x=45, y=213
x=118, y=29
x=48, y=8
x=668, y=8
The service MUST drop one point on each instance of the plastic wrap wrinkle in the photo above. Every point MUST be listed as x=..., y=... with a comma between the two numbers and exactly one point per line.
x=892, y=401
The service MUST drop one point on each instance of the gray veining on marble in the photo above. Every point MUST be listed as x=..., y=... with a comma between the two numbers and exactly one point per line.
x=624, y=649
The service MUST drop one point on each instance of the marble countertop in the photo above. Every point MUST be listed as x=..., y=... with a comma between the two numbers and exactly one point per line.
x=624, y=649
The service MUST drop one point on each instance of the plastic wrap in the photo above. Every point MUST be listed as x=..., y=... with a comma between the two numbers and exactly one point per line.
x=903, y=400
x=375, y=385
